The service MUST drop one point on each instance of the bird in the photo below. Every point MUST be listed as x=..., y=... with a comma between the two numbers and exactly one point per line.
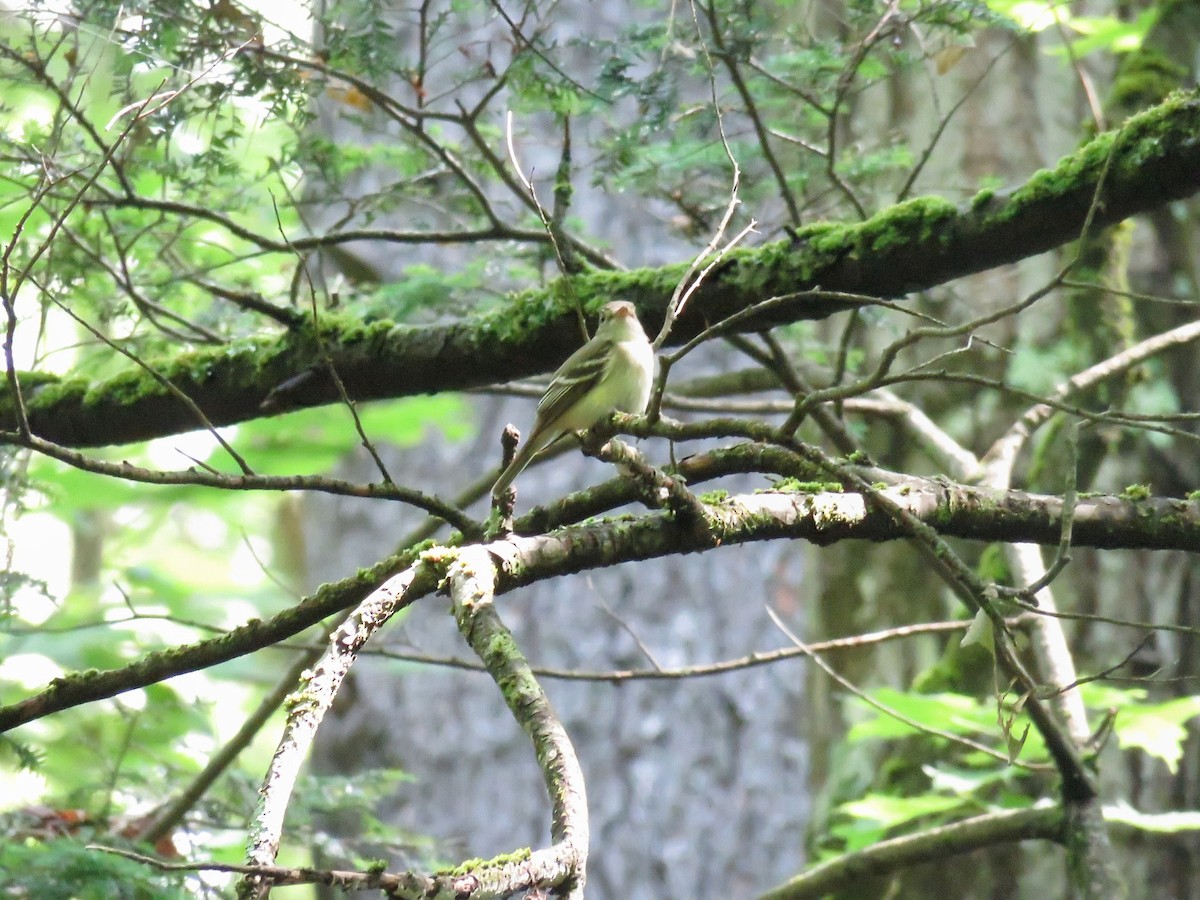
x=610, y=373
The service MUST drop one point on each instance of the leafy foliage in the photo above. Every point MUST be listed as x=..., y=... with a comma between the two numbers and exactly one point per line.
x=65, y=868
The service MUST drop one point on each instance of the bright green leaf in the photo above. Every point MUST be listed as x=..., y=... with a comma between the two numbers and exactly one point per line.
x=946, y=712
x=891, y=811
x=1157, y=729
x=1159, y=823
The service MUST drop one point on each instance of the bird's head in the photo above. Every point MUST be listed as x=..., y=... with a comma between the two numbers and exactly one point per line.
x=620, y=312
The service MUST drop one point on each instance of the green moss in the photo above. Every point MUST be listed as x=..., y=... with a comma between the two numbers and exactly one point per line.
x=33, y=381
x=519, y=687
x=1140, y=138
x=825, y=237
x=1144, y=78
x=123, y=389
x=982, y=198
x=823, y=243
x=438, y=555
x=942, y=514
x=919, y=219
x=299, y=700
x=714, y=496
x=470, y=865
x=356, y=331
x=796, y=486
x=502, y=645
x=50, y=392
x=1136, y=492
x=74, y=679
x=1048, y=183
x=1194, y=495
x=135, y=384
x=526, y=313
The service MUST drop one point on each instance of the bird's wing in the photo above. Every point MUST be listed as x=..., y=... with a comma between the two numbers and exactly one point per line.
x=574, y=378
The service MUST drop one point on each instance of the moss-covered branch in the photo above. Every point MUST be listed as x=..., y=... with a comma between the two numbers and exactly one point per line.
x=953, y=510
x=471, y=575
x=308, y=706
x=886, y=857
x=1155, y=158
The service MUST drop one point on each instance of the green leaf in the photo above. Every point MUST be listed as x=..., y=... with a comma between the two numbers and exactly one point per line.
x=954, y=713
x=1157, y=729
x=1109, y=33
x=891, y=811
x=1033, y=15
x=980, y=632
x=1159, y=823
x=964, y=782
x=66, y=868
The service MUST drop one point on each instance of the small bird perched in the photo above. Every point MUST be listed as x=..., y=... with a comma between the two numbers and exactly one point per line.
x=610, y=373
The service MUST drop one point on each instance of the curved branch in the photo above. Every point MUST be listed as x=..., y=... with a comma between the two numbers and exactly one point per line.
x=1049, y=641
x=208, y=477
x=311, y=701
x=166, y=819
x=472, y=579
x=999, y=460
x=78, y=688
x=940, y=843
x=497, y=231
x=470, y=574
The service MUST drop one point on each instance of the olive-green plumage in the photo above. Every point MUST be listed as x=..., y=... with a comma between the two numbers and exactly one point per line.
x=610, y=373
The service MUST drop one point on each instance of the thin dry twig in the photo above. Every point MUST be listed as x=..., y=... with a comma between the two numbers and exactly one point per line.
x=552, y=224
x=129, y=472
x=698, y=670
x=318, y=692
x=892, y=711
x=756, y=120
x=691, y=280
x=161, y=380
x=327, y=357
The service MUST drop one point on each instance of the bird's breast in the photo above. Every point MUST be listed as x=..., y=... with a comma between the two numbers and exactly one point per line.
x=639, y=363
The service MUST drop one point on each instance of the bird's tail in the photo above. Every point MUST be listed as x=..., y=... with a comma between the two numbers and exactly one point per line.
x=519, y=461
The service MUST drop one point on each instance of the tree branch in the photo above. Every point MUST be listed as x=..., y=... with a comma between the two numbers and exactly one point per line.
x=310, y=702
x=912, y=246
x=823, y=518
x=472, y=579
x=886, y=857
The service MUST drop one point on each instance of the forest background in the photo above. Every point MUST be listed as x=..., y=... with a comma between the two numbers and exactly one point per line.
x=900, y=567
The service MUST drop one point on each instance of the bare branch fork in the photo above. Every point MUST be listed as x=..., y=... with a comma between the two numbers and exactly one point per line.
x=470, y=574
x=1088, y=842
x=995, y=471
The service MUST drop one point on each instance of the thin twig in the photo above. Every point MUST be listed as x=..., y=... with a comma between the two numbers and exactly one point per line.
x=890, y=711
x=327, y=357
